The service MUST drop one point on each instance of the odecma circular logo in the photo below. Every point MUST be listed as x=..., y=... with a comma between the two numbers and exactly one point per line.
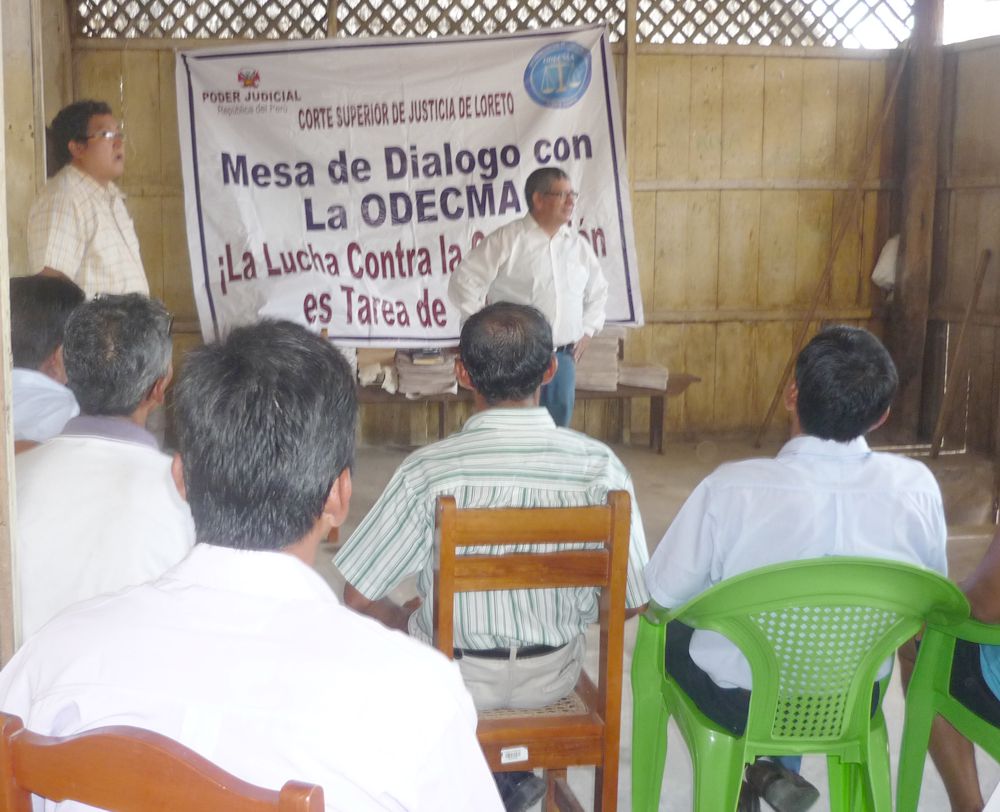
x=558, y=75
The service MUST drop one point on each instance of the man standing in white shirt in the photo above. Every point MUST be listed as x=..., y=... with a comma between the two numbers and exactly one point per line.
x=540, y=261
x=78, y=225
x=97, y=508
x=39, y=307
x=242, y=652
x=826, y=493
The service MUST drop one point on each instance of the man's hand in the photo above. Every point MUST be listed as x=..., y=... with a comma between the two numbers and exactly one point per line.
x=580, y=348
x=383, y=610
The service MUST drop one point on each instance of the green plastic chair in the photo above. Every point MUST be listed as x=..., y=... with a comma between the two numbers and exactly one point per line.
x=929, y=694
x=815, y=633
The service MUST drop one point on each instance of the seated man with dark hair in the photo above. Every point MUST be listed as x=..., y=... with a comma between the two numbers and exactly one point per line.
x=520, y=649
x=826, y=493
x=241, y=651
x=96, y=506
x=39, y=308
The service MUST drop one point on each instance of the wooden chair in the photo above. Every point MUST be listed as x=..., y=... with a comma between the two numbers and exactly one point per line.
x=585, y=728
x=127, y=769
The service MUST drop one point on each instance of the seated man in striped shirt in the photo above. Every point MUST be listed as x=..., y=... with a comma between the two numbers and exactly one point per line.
x=522, y=649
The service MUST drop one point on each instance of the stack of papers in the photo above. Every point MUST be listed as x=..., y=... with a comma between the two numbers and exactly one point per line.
x=418, y=375
x=650, y=376
x=598, y=369
x=377, y=367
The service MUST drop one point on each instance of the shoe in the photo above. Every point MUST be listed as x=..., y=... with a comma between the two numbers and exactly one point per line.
x=749, y=800
x=784, y=790
x=519, y=791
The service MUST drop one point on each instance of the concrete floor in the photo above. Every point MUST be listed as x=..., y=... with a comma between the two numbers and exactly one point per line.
x=662, y=483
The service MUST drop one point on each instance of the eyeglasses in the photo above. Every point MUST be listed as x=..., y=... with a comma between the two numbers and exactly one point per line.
x=107, y=135
x=564, y=196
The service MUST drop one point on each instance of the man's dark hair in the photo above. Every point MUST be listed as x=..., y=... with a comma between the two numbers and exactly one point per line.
x=506, y=349
x=541, y=181
x=39, y=308
x=115, y=349
x=70, y=124
x=846, y=381
x=265, y=421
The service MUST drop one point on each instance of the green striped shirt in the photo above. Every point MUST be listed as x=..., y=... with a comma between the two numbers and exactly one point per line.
x=502, y=458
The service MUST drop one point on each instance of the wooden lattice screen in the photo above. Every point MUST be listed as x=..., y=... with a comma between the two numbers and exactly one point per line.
x=850, y=23
x=845, y=23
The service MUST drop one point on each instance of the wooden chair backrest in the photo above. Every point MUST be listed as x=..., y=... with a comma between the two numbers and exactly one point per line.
x=604, y=568
x=127, y=769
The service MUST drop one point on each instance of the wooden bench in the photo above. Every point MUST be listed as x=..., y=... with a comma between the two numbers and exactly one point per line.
x=677, y=384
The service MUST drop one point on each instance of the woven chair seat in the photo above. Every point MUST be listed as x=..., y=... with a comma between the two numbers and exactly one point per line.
x=567, y=706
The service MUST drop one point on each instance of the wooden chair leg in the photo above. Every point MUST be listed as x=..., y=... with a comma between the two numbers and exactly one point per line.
x=551, y=777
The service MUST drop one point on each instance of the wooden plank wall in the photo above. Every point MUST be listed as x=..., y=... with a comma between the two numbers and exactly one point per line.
x=743, y=157
x=743, y=161
x=967, y=221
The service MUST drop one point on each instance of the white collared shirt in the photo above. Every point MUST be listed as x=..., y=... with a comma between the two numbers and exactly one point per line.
x=41, y=405
x=248, y=658
x=816, y=498
x=97, y=510
x=81, y=228
x=520, y=263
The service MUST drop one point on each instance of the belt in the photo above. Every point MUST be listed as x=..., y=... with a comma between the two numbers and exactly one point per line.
x=522, y=652
x=567, y=347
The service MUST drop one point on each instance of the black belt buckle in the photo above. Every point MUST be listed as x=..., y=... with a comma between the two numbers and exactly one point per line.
x=567, y=347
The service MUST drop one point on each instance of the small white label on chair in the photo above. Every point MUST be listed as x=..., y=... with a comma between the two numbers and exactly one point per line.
x=510, y=755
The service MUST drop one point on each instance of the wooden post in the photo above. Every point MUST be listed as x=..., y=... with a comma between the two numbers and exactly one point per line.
x=907, y=327
x=8, y=608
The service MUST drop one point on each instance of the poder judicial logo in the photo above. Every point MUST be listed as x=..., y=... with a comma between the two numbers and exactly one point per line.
x=248, y=77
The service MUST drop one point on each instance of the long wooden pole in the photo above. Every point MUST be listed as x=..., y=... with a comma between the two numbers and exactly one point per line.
x=958, y=357
x=847, y=217
x=8, y=602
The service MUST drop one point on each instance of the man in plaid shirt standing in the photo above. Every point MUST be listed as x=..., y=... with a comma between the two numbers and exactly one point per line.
x=78, y=226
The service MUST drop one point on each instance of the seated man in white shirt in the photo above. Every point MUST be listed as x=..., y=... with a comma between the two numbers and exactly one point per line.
x=39, y=307
x=242, y=652
x=97, y=508
x=826, y=493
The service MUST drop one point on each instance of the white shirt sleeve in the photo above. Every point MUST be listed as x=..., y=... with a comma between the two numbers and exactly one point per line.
x=470, y=284
x=595, y=296
x=681, y=565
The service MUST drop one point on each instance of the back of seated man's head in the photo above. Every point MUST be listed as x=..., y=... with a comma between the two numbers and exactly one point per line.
x=116, y=349
x=506, y=349
x=846, y=381
x=265, y=421
x=39, y=308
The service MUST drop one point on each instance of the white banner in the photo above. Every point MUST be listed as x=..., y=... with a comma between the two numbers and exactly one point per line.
x=339, y=183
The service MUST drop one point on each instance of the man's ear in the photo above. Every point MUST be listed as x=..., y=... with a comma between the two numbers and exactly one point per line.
x=881, y=421
x=177, y=473
x=791, y=396
x=54, y=367
x=550, y=370
x=338, y=500
x=462, y=375
x=76, y=148
x=159, y=391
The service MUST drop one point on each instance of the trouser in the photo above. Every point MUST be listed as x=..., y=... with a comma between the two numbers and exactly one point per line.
x=968, y=685
x=527, y=682
x=727, y=707
x=559, y=394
